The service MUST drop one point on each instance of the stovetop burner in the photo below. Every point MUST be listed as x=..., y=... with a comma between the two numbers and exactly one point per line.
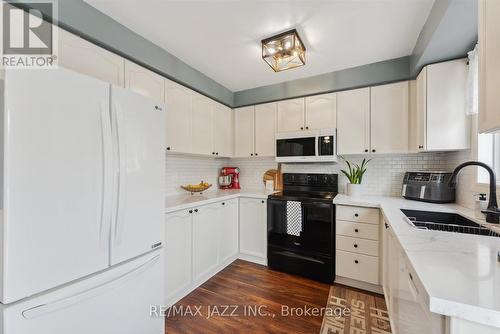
x=301, y=187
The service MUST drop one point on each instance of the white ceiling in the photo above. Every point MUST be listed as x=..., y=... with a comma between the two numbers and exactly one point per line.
x=221, y=38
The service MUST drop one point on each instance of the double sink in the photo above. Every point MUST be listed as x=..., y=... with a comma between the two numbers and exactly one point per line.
x=447, y=222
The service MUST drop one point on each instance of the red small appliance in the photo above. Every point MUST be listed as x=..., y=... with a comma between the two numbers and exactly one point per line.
x=229, y=178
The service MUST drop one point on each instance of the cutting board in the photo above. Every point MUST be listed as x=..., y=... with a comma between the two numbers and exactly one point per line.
x=269, y=175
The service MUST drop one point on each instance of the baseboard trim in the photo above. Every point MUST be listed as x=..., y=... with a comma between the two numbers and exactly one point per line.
x=359, y=284
x=252, y=258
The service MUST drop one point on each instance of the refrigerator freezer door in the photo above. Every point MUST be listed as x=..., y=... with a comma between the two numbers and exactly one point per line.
x=139, y=130
x=57, y=162
x=116, y=301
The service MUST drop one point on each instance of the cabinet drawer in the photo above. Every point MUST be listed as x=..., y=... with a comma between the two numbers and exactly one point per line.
x=357, y=230
x=357, y=266
x=358, y=214
x=356, y=245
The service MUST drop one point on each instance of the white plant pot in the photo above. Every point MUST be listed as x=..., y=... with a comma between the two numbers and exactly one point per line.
x=354, y=190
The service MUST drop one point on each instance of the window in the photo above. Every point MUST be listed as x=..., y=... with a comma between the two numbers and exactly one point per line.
x=488, y=151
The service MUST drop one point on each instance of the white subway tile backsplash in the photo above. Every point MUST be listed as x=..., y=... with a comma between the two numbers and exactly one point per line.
x=383, y=177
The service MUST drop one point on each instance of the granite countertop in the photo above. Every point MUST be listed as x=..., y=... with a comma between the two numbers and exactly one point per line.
x=459, y=272
x=186, y=201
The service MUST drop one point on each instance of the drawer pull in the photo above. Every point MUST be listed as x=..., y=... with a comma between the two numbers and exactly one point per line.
x=356, y=261
x=355, y=246
x=356, y=230
x=356, y=215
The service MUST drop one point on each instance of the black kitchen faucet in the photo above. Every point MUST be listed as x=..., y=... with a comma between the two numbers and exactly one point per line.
x=492, y=212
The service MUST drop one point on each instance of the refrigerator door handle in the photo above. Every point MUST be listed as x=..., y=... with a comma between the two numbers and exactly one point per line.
x=42, y=309
x=107, y=170
x=120, y=169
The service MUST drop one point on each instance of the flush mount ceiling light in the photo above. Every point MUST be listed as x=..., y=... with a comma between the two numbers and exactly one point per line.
x=284, y=51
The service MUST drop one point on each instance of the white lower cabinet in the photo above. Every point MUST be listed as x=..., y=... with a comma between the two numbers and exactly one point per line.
x=357, y=266
x=205, y=242
x=229, y=232
x=253, y=230
x=406, y=298
x=199, y=242
x=357, y=246
x=178, y=235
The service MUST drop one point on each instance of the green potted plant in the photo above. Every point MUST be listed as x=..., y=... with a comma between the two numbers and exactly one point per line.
x=355, y=174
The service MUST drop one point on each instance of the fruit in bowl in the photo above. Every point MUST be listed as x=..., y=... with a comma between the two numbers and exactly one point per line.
x=197, y=188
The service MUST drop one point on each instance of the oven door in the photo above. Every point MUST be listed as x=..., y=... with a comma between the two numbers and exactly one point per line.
x=304, y=226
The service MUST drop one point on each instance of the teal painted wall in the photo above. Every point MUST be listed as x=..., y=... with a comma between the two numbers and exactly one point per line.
x=449, y=33
x=361, y=76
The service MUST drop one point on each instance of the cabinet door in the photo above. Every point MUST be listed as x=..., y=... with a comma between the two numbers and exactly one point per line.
x=389, y=118
x=253, y=227
x=420, y=118
x=228, y=230
x=489, y=66
x=448, y=127
x=394, y=276
x=201, y=129
x=353, y=121
x=144, y=82
x=223, y=130
x=244, y=132
x=385, y=263
x=291, y=115
x=79, y=55
x=321, y=111
x=178, y=233
x=205, y=240
x=265, y=129
x=178, y=117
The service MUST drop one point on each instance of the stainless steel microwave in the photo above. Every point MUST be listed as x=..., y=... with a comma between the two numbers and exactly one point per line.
x=307, y=146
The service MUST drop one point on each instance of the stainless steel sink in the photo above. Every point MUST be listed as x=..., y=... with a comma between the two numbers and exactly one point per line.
x=447, y=222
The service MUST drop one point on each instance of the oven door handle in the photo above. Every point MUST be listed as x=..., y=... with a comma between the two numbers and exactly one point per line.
x=316, y=204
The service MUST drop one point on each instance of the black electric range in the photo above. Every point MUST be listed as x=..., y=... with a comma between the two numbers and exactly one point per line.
x=301, y=226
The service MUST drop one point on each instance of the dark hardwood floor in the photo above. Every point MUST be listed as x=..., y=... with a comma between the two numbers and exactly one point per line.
x=249, y=298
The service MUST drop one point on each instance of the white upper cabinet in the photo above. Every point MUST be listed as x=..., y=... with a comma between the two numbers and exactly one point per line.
x=202, y=125
x=79, y=55
x=291, y=115
x=265, y=129
x=178, y=117
x=489, y=66
x=440, y=121
x=144, y=81
x=389, y=118
x=321, y=111
x=244, y=132
x=418, y=113
x=353, y=121
x=223, y=130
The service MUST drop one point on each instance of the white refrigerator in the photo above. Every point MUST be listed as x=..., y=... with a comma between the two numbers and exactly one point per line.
x=82, y=179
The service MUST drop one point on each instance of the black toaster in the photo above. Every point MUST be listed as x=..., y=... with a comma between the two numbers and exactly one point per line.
x=428, y=187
